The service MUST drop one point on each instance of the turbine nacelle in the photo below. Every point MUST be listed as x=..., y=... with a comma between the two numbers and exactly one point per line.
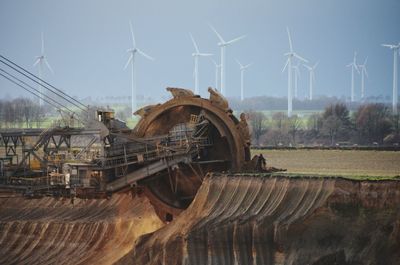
x=131, y=50
x=243, y=67
x=392, y=46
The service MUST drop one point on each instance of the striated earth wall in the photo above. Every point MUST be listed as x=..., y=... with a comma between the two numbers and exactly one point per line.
x=234, y=219
x=49, y=231
x=246, y=219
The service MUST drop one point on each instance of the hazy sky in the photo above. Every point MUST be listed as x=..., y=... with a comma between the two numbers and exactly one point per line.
x=86, y=43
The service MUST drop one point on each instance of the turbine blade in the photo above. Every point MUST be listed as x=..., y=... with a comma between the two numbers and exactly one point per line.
x=365, y=71
x=129, y=60
x=248, y=65
x=307, y=67
x=194, y=43
x=216, y=33
x=42, y=37
x=145, y=55
x=236, y=39
x=48, y=66
x=286, y=64
x=132, y=35
x=205, y=54
x=388, y=45
x=365, y=62
x=300, y=58
x=315, y=65
x=36, y=62
x=241, y=66
x=356, y=67
x=290, y=39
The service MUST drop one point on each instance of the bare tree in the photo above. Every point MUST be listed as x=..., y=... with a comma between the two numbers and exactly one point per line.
x=331, y=127
x=258, y=124
x=294, y=124
x=314, y=123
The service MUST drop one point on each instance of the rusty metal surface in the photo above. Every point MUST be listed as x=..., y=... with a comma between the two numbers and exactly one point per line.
x=229, y=145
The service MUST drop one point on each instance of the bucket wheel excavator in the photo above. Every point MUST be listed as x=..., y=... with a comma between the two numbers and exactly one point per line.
x=194, y=136
x=168, y=153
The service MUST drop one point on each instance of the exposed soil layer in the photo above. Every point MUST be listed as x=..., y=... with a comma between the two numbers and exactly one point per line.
x=49, y=231
x=247, y=219
x=234, y=219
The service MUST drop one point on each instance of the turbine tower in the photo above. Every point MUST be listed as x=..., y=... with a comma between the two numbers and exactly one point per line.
x=363, y=70
x=242, y=69
x=353, y=66
x=396, y=53
x=40, y=60
x=217, y=73
x=288, y=64
x=132, y=51
x=312, y=78
x=223, y=44
x=196, y=56
x=296, y=76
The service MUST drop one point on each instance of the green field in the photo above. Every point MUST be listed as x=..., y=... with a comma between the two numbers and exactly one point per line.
x=335, y=162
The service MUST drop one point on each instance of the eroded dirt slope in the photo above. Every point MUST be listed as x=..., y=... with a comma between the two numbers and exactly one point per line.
x=245, y=219
x=49, y=231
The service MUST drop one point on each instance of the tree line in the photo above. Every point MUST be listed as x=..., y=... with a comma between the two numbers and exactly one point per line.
x=369, y=124
x=21, y=112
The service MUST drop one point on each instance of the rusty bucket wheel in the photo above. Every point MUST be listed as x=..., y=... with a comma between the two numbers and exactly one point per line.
x=172, y=190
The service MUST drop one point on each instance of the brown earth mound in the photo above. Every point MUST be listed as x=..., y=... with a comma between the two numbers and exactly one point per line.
x=50, y=231
x=245, y=219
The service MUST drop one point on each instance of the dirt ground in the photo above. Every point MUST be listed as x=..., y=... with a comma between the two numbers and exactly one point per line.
x=335, y=162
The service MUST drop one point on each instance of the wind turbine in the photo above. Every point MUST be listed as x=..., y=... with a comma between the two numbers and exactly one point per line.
x=353, y=66
x=396, y=53
x=363, y=69
x=242, y=69
x=196, y=56
x=223, y=44
x=132, y=51
x=288, y=64
x=40, y=60
x=296, y=76
x=217, y=73
x=312, y=78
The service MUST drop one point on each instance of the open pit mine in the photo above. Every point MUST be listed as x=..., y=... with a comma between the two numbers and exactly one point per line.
x=179, y=188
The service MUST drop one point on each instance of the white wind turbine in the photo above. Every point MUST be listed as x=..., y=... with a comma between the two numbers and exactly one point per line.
x=132, y=51
x=223, y=44
x=196, y=56
x=396, y=53
x=217, y=73
x=353, y=66
x=288, y=64
x=242, y=69
x=312, y=78
x=40, y=60
x=296, y=77
x=363, y=70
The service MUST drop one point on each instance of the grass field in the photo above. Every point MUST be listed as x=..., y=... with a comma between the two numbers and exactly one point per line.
x=357, y=164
